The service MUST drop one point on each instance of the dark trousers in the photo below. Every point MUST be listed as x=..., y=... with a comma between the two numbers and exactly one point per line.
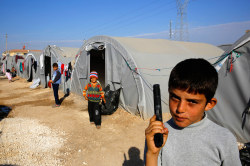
x=94, y=113
x=55, y=90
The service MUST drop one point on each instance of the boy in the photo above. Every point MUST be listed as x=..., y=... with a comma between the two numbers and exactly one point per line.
x=189, y=137
x=95, y=94
x=56, y=80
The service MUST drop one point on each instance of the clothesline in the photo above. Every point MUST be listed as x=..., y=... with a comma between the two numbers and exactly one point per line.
x=168, y=68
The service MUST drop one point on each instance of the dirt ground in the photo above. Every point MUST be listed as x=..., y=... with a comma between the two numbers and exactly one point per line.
x=34, y=133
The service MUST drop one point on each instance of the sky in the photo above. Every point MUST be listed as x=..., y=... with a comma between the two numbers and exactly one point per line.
x=67, y=23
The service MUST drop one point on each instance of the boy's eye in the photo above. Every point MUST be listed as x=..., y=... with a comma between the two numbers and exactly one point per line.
x=174, y=98
x=192, y=101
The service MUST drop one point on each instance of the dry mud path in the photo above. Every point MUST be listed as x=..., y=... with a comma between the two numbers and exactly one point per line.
x=35, y=134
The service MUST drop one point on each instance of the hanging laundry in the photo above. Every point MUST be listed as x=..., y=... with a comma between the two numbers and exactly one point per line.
x=23, y=65
x=62, y=68
x=66, y=70
x=231, y=63
x=59, y=66
x=18, y=57
x=70, y=66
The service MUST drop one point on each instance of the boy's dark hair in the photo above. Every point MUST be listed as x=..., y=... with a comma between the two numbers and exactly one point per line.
x=194, y=76
x=8, y=70
x=55, y=65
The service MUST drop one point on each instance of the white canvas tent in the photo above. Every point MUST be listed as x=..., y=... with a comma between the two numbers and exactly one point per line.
x=233, y=92
x=61, y=55
x=135, y=65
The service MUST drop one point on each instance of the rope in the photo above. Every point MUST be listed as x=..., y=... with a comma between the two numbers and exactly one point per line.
x=154, y=69
x=153, y=75
x=150, y=86
x=168, y=68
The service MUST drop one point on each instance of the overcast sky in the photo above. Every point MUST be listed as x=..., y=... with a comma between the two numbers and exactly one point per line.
x=38, y=23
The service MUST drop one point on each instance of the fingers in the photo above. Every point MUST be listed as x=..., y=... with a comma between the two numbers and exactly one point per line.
x=152, y=119
x=154, y=127
x=165, y=136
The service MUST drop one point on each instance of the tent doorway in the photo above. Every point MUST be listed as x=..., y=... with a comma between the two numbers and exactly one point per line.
x=30, y=76
x=97, y=63
x=30, y=70
x=47, y=69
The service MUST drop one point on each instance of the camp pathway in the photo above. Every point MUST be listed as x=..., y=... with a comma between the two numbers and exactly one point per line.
x=34, y=133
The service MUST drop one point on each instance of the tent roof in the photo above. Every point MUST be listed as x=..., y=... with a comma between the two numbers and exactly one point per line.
x=245, y=38
x=161, y=54
x=35, y=54
x=69, y=51
x=171, y=51
x=64, y=54
x=225, y=46
x=163, y=46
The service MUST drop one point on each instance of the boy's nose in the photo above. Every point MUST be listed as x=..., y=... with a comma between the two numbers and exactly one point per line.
x=180, y=107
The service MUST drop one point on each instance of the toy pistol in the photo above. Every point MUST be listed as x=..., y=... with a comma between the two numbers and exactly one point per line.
x=158, y=137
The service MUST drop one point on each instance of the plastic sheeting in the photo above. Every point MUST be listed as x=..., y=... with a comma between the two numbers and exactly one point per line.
x=35, y=84
x=112, y=101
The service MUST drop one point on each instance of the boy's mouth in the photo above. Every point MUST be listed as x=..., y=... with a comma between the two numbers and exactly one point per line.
x=179, y=118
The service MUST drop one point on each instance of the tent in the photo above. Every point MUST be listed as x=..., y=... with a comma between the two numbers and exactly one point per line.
x=31, y=66
x=233, y=93
x=135, y=64
x=64, y=56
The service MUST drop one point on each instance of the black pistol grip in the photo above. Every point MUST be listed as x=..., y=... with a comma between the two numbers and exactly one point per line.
x=158, y=137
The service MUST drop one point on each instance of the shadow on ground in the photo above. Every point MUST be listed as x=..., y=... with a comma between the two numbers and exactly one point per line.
x=64, y=97
x=134, y=158
x=4, y=112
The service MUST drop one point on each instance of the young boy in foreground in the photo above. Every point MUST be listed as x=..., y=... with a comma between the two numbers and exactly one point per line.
x=189, y=137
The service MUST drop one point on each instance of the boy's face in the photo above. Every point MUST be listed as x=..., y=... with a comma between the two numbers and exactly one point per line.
x=55, y=68
x=188, y=108
x=93, y=79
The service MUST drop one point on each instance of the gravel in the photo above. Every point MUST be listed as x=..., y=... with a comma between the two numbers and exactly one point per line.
x=25, y=141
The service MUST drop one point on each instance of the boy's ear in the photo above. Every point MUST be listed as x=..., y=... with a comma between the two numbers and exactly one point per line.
x=211, y=104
